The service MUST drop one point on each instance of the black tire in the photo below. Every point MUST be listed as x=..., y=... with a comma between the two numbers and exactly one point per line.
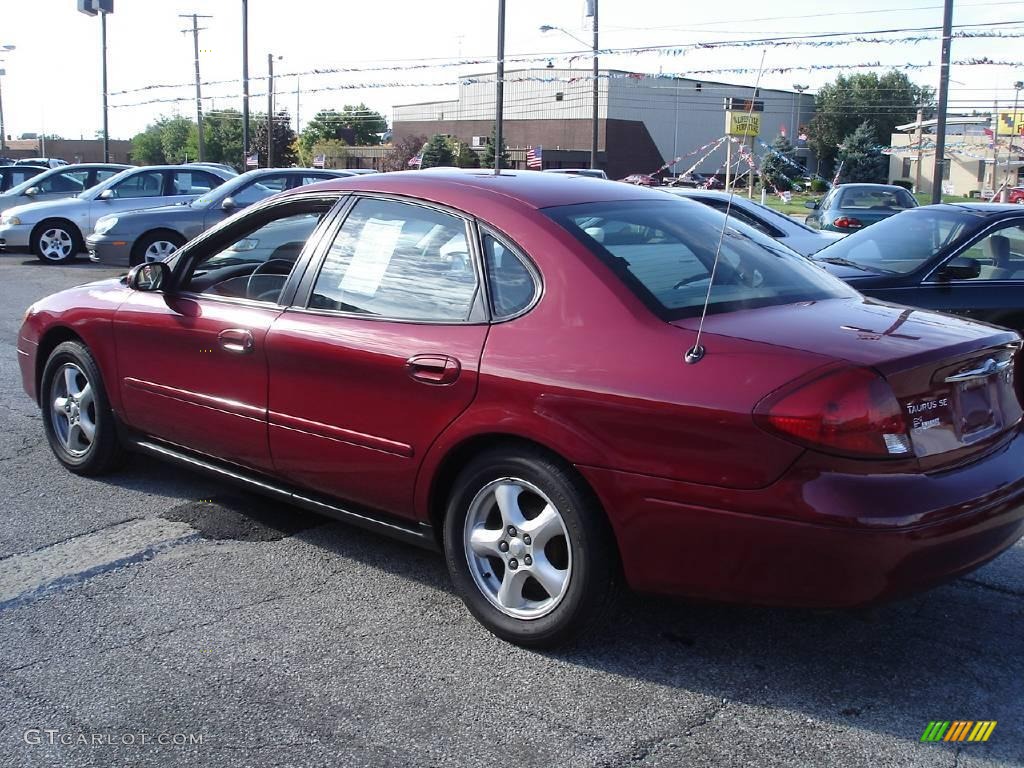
x=51, y=231
x=592, y=568
x=104, y=450
x=143, y=243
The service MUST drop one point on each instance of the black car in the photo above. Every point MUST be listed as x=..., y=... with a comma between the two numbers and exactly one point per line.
x=963, y=258
x=12, y=175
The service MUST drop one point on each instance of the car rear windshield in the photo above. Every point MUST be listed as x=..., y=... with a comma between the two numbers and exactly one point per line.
x=867, y=198
x=901, y=244
x=665, y=251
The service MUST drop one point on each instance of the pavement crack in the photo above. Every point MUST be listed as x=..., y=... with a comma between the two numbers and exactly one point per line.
x=995, y=587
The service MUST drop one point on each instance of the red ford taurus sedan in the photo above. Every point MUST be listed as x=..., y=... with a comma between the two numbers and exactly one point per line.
x=497, y=366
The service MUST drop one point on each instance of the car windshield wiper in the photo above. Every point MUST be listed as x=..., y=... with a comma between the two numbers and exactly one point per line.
x=840, y=261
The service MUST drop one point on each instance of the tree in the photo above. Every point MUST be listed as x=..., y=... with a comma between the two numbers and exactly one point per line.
x=861, y=158
x=147, y=146
x=775, y=171
x=174, y=133
x=366, y=123
x=403, y=150
x=438, y=152
x=465, y=157
x=222, y=135
x=883, y=102
x=283, y=140
x=488, y=161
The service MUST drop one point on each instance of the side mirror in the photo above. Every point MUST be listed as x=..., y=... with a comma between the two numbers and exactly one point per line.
x=812, y=204
x=228, y=204
x=961, y=268
x=106, y=194
x=148, y=277
x=32, y=191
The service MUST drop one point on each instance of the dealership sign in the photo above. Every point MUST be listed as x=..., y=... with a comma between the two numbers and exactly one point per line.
x=742, y=123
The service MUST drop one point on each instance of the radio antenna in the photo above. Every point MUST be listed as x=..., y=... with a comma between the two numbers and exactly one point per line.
x=696, y=353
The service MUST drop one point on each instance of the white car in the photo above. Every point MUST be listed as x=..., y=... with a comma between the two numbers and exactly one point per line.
x=788, y=231
x=57, y=183
x=55, y=230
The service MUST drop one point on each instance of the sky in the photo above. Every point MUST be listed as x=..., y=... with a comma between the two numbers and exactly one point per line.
x=53, y=77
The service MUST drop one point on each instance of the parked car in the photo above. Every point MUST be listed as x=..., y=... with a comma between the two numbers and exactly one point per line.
x=153, y=234
x=46, y=162
x=58, y=183
x=356, y=171
x=595, y=173
x=849, y=207
x=962, y=258
x=494, y=365
x=641, y=180
x=55, y=230
x=696, y=180
x=1017, y=195
x=777, y=226
x=222, y=166
x=13, y=175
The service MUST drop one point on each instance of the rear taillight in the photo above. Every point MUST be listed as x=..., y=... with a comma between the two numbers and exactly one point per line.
x=847, y=411
x=848, y=222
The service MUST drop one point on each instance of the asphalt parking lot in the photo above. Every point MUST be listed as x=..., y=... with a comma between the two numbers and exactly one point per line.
x=156, y=618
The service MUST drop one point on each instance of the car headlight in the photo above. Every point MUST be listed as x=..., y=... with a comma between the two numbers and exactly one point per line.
x=12, y=220
x=104, y=224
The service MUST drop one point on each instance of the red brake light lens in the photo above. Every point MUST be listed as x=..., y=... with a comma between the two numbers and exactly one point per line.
x=848, y=222
x=845, y=411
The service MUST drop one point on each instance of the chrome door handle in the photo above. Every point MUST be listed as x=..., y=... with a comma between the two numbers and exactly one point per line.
x=985, y=370
x=236, y=340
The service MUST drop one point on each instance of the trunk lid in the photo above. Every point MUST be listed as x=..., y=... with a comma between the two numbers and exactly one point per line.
x=954, y=379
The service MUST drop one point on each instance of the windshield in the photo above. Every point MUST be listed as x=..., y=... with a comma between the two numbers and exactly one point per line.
x=243, y=190
x=901, y=244
x=664, y=251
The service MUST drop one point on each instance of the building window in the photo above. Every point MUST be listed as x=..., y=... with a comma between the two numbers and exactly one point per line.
x=559, y=96
x=905, y=171
x=700, y=87
x=981, y=170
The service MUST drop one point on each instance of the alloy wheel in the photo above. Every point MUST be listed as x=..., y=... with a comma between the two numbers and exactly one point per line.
x=56, y=244
x=73, y=409
x=517, y=548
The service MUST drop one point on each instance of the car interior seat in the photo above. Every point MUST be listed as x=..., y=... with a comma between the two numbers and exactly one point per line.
x=997, y=251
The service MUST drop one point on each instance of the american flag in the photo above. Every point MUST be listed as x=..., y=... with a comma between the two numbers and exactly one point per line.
x=416, y=160
x=535, y=157
x=252, y=160
x=319, y=161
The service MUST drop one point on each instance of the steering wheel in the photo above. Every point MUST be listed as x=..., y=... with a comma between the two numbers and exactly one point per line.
x=265, y=267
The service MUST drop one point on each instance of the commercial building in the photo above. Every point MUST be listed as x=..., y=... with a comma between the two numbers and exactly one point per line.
x=644, y=121
x=978, y=161
x=72, y=150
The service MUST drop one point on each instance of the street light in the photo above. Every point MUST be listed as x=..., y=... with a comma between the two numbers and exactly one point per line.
x=270, y=108
x=3, y=134
x=593, y=136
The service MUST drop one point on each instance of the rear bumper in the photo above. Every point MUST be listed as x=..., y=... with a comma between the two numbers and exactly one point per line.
x=859, y=538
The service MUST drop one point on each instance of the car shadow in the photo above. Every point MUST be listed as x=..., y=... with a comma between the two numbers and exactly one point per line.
x=954, y=653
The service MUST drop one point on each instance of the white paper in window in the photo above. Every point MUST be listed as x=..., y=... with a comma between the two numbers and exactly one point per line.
x=374, y=249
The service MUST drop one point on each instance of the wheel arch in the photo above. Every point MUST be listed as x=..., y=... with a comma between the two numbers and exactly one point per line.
x=65, y=222
x=436, y=483
x=47, y=343
x=136, y=252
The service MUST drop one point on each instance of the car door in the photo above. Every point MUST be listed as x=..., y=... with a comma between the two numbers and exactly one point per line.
x=996, y=295
x=380, y=353
x=185, y=185
x=192, y=362
x=142, y=189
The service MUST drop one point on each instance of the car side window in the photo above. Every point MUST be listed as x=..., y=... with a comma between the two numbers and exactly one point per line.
x=510, y=282
x=398, y=261
x=313, y=179
x=144, y=184
x=736, y=212
x=102, y=176
x=256, y=265
x=192, y=182
x=1000, y=254
x=71, y=181
x=261, y=189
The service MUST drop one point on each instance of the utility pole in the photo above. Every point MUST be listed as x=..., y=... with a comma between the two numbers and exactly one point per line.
x=499, y=89
x=1014, y=131
x=593, y=137
x=199, y=93
x=940, y=125
x=106, y=126
x=270, y=110
x=245, y=84
x=919, y=134
x=298, y=94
